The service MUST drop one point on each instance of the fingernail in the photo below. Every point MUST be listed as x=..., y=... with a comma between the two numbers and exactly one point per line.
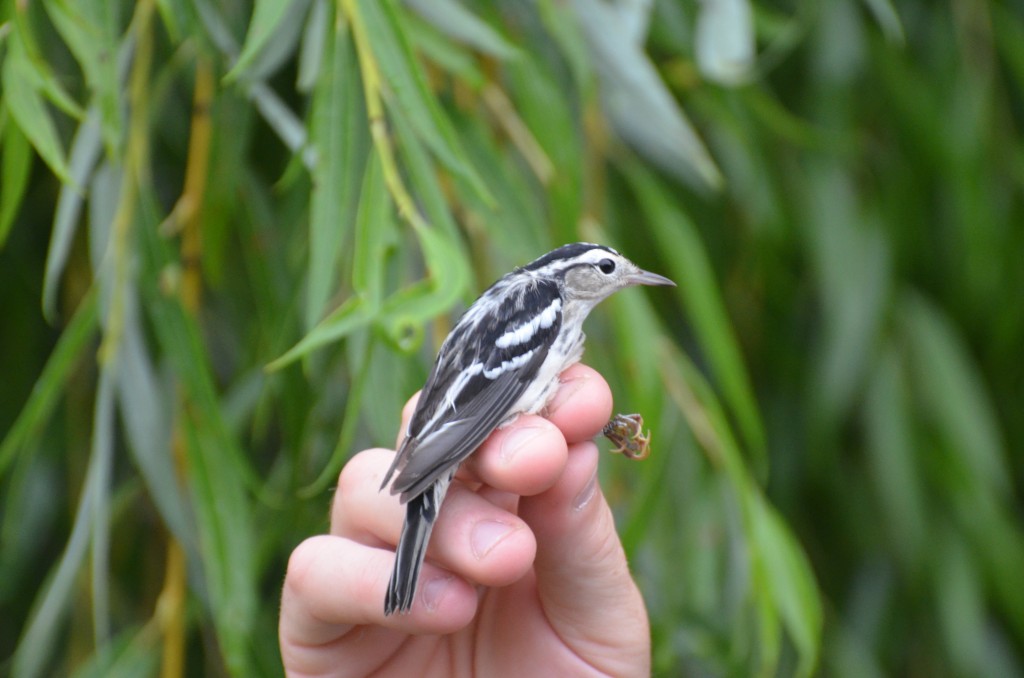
x=486, y=534
x=566, y=390
x=518, y=439
x=434, y=590
x=586, y=494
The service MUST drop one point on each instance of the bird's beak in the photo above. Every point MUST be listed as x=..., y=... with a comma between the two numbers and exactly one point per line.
x=642, y=277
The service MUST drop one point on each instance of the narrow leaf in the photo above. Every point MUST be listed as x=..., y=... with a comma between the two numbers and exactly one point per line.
x=725, y=40
x=15, y=169
x=405, y=312
x=92, y=41
x=691, y=269
x=350, y=316
x=458, y=23
x=405, y=82
x=85, y=150
x=29, y=110
x=145, y=406
x=314, y=39
x=891, y=455
x=630, y=83
x=217, y=471
x=954, y=393
x=132, y=653
x=341, y=139
x=267, y=16
x=888, y=18
x=791, y=581
x=74, y=341
x=374, y=234
x=35, y=650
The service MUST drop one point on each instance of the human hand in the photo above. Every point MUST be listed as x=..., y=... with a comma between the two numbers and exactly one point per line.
x=525, y=573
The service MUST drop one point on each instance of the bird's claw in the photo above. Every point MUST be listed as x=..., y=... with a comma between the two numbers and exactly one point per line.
x=627, y=434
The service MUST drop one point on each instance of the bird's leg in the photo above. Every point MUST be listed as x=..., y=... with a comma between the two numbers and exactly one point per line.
x=626, y=431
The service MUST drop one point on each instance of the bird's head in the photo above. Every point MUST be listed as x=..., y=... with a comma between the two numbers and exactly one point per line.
x=593, y=272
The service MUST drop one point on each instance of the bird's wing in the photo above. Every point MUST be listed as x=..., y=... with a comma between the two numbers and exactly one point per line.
x=475, y=383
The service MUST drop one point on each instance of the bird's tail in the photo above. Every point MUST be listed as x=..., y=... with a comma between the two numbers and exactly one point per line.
x=420, y=515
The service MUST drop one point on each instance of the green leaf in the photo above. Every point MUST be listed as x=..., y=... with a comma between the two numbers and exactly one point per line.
x=724, y=41
x=217, y=472
x=962, y=616
x=954, y=395
x=85, y=150
x=457, y=60
x=630, y=83
x=565, y=30
x=87, y=29
x=28, y=109
x=103, y=449
x=216, y=477
x=146, y=407
x=48, y=389
x=267, y=16
x=35, y=651
x=341, y=139
x=15, y=169
x=888, y=18
x=691, y=269
x=375, y=233
x=406, y=311
x=789, y=578
x=851, y=261
x=461, y=25
x=283, y=121
x=134, y=652
x=353, y=314
x=892, y=459
x=313, y=48
x=407, y=86
x=355, y=398
x=225, y=536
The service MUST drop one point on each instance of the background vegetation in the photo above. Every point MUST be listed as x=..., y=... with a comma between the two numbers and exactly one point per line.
x=191, y=191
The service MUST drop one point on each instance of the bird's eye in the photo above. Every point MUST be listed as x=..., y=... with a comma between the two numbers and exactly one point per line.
x=607, y=266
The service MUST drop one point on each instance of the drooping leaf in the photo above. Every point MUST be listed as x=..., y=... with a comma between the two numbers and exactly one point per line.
x=690, y=268
x=407, y=88
x=725, y=40
x=454, y=20
x=70, y=348
x=88, y=31
x=35, y=651
x=628, y=83
x=27, y=107
x=15, y=167
x=790, y=580
x=340, y=136
x=892, y=456
x=133, y=652
x=271, y=36
x=85, y=149
x=952, y=390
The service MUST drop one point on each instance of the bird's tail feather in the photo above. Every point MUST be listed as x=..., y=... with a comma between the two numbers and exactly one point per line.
x=420, y=515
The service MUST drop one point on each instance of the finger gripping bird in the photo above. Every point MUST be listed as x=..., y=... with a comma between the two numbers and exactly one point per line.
x=501, y=360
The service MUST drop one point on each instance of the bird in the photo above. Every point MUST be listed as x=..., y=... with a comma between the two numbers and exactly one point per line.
x=502, y=359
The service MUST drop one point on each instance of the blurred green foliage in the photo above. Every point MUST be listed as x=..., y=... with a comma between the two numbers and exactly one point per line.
x=232, y=235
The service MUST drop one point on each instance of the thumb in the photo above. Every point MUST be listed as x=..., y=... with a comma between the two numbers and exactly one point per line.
x=583, y=578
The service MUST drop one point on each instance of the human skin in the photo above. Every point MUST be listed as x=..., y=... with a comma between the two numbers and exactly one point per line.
x=525, y=573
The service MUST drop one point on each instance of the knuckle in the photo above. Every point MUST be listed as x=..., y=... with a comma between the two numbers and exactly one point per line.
x=301, y=572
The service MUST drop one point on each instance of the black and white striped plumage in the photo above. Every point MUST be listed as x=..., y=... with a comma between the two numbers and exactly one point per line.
x=502, y=359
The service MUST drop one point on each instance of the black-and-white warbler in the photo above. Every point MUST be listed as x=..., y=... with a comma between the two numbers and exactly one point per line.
x=502, y=359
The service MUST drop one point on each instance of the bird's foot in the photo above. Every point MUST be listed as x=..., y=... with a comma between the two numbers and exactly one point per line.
x=626, y=431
